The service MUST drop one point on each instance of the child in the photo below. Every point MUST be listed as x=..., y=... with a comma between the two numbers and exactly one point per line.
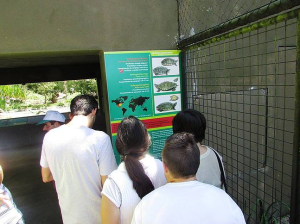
x=9, y=213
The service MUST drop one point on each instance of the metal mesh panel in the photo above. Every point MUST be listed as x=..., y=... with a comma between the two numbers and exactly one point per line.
x=244, y=86
x=199, y=19
x=199, y=15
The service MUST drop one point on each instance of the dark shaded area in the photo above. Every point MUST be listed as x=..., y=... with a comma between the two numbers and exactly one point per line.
x=49, y=73
x=100, y=123
x=22, y=176
x=21, y=136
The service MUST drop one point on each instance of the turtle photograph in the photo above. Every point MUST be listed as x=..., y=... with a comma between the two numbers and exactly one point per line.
x=165, y=84
x=166, y=106
x=167, y=103
x=174, y=98
x=161, y=70
x=165, y=66
x=169, y=62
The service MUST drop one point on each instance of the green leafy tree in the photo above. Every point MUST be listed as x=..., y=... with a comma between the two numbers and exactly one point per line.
x=11, y=91
x=49, y=90
x=84, y=86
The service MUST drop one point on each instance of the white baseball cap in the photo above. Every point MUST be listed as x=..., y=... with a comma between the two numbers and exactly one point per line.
x=52, y=115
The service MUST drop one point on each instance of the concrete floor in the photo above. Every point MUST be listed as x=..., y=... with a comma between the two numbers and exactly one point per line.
x=37, y=200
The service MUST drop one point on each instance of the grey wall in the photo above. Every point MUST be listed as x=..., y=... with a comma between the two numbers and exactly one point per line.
x=74, y=26
x=20, y=135
x=109, y=25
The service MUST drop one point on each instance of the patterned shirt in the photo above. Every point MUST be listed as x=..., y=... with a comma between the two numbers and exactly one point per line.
x=10, y=215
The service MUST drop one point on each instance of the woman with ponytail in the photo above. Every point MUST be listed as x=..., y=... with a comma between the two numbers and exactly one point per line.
x=136, y=176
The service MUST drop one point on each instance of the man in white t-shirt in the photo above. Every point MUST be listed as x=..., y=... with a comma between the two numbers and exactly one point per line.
x=79, y=159
x=183, y=199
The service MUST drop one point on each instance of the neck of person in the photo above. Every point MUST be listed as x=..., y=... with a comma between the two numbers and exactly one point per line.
x=202, y=148
x=180, y=179
x=81, y=121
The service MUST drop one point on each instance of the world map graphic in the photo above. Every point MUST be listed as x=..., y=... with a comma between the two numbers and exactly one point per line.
x=124, y=103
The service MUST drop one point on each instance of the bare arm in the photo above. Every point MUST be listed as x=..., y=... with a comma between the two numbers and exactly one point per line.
x=46, y=175
x=110, y=213
x=103, y=179
x=4, y=199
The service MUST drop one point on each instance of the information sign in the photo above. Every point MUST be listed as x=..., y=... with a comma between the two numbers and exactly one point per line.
x=146, y=85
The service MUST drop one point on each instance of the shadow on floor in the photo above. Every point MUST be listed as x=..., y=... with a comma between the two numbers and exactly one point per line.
x=22, y=176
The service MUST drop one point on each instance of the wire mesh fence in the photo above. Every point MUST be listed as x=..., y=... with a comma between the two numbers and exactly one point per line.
x=200, y=19
x=245, y=87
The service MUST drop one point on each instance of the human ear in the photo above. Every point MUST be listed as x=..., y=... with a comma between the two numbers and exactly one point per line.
x=70, y=116
x=166, y=170
x=94, y=111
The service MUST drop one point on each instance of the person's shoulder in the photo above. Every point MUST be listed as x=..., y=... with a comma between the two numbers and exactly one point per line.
x=150, y=158
x=212, y=150
x=116, y=174
x=215, y=191
x=99, y=136
x=99, y=133
x=55, y=132
x=120, y=174
x=149, y=161
x=156, y=194
x=210, y=187
x=59, y=129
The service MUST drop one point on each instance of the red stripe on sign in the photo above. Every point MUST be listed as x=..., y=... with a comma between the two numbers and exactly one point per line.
x=150, y=123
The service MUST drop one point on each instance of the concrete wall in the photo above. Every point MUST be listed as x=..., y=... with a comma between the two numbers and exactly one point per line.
x=67, y=26
x=20, y=135
x=109, y=25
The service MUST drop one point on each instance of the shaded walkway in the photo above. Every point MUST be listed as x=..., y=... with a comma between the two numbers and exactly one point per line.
x=37, y=201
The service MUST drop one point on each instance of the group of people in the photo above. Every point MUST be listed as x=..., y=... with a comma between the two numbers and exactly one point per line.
x=187, y=186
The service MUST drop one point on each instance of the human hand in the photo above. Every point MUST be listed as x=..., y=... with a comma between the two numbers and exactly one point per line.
x=4, y=199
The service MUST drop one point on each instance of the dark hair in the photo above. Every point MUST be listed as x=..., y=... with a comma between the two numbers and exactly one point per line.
x=132, y=142
x=181, y=155
x=190, y=121
x=83, y=105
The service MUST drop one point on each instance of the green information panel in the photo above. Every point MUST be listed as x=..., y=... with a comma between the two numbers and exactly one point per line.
x=146, y=85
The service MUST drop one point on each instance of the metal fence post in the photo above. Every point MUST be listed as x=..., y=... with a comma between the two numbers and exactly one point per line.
x=295, y=203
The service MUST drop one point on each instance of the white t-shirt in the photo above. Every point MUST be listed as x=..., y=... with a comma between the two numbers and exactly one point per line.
x=76, y=157
x=209, y=170
x=118, y=186
x=187, y=202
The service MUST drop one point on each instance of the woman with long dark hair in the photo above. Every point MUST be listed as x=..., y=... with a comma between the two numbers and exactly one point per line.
x=136, y=176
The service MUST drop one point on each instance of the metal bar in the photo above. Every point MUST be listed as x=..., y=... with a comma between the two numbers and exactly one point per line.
x=184, y=81
x=266, y=130
x=295, y=196
x=250, y=17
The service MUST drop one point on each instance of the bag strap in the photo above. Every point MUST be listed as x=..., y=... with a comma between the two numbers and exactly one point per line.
x=223, y=180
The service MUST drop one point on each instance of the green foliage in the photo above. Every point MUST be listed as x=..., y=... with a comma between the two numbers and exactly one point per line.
x=38, y=96
x=2, y=102
x=48, y=89
x=84, y=86
x=13, y=91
